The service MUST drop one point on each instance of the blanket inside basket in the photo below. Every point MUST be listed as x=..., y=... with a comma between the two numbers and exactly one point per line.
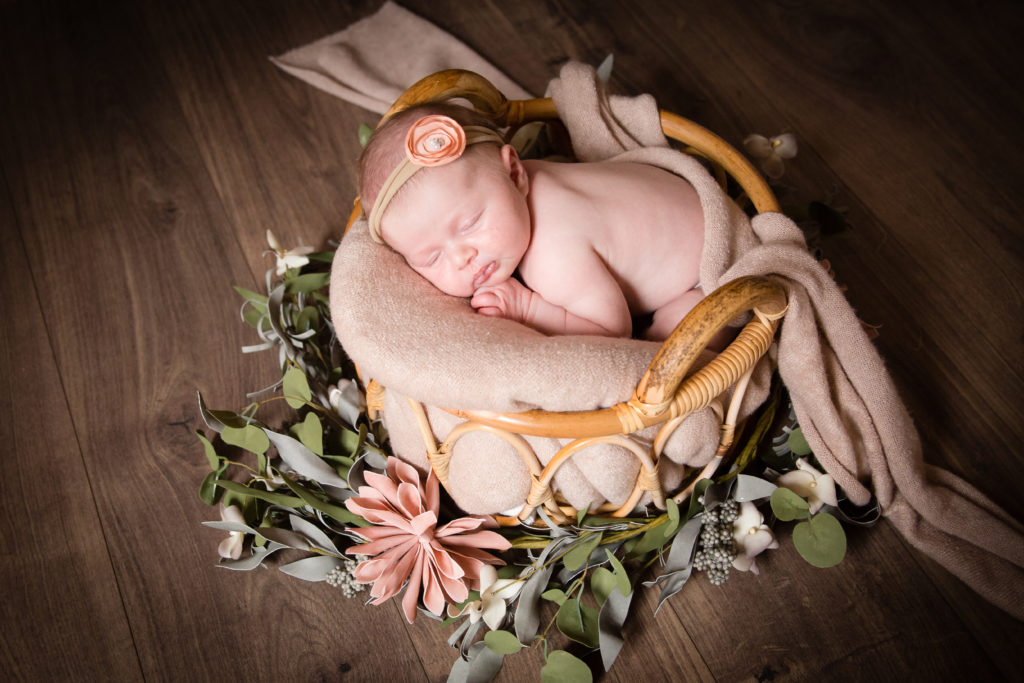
x=417, y=341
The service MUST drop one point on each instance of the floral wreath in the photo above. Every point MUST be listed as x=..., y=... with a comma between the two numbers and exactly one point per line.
x=323, y=483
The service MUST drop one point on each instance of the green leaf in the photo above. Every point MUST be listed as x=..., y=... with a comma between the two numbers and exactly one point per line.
x=820, y=540
x=673, y=516
x=788, y=506
x=580, y=514
x=555, y=595
x=211, y=453
x=307, y=319
x=208, y=489
x=336, y=511
x=252, y=316
x=252, y=296
x=249, y=437
x=602, y=583
x=797, y=442
x=296, y=388
x=621, y=575
x=577, y=557
x=578, y=622
x=307, y=282
x=653, y=538
x=562, y=667
x=365, y=132
x=503, y=642
x=311, y=433
x=269, y=496
x=698, y=490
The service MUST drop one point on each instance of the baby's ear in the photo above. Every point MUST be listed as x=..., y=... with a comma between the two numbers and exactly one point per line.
x=516, y=170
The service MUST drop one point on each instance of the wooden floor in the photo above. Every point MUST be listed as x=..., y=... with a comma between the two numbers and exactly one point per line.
x=145, y=149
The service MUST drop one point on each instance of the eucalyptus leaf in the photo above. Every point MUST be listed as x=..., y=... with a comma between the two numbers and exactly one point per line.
x=313, y=533
x=250, y=437
x=750, y=488
x=820, y=540
x=311, y=568
x=797, y=442
x=311, y=433
x=269, y=496
x=610, y=621
x=252, y=296
x=527, y=617
x=502, y=642
x=296, y=388
x=303, y=461
x=578, y=622
x=602, y=582
x=562, y=667
x=218, y=419
x=479, y=664
x=556, y=595
x=208, y=489
x=211, y=452
x=788, y=506
x=621, y=575
x=334, y=511
x=307, y=283
x=285, y=537
x=578, y=556
x=259, y=554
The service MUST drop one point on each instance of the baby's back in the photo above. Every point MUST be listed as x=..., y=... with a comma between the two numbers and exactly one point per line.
x=645, y=224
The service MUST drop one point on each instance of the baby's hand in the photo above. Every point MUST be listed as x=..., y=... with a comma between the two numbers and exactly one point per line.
x=509, y=299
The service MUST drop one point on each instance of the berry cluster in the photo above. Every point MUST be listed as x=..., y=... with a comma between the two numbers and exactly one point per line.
x=341, y=577
x=718, y=549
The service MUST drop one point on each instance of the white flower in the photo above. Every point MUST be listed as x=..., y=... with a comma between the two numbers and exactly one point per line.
x=290, y=258
x=492, y=603
x=231, y=547
x=770, y=153
x=752, y=537
x=819, y=489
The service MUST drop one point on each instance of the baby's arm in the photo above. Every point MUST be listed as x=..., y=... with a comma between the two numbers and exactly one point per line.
x=600, y=308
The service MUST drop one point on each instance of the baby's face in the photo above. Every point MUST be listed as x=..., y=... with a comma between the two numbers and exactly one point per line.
x=463, y=225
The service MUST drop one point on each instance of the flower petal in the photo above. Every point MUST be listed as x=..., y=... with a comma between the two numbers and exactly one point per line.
x=757, y=146
x=785, y=145
x=412, y=590
x=494, y=613
x=797, y=481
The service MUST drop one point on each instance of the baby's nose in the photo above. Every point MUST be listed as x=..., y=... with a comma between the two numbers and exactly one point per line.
x=464, y=255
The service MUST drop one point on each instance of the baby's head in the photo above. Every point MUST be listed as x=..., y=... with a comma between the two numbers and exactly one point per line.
x=443, y=190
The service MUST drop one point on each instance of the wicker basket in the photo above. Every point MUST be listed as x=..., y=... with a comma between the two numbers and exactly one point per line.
x=664, y=395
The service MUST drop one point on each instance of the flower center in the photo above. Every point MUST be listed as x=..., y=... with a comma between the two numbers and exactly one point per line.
x=752, y=530
x=435, y=144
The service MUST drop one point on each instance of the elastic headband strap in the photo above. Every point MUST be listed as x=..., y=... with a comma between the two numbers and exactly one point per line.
x=407, y=168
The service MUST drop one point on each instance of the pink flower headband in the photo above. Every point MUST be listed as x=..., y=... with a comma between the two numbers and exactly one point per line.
x=432, y=141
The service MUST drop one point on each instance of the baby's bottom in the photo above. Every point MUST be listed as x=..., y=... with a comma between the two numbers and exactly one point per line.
x=668, y=316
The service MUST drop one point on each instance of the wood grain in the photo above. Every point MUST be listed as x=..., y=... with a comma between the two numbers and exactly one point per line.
x=147, y=147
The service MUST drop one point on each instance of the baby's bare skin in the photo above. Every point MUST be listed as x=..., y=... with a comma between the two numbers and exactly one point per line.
x=595, y=243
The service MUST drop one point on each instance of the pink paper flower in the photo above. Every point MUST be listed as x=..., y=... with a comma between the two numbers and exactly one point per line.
x=407, y=544
x=435, y=141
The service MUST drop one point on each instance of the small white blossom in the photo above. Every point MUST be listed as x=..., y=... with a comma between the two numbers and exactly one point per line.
x=290, y=258
x=752, y=537
x=491, y=606
x=769, y=153
x=818, y=488
x=231, y=547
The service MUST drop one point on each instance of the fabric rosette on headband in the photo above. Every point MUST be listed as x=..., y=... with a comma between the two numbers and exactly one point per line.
x=433, y=140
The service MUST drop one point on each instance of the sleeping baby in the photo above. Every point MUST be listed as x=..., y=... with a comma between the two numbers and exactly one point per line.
x=595, y=244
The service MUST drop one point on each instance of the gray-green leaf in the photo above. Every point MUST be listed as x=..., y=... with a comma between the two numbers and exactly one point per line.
x=797, y=442
x=296, y=388
x=503, y=642
x=820, y=540
x=310, y=433
x=578, y=622
x=788, y=506
x=577, y=557
x=562, y=667
x=249, y=437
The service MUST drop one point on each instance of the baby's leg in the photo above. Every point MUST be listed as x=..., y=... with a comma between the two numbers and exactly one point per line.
x=668, y=316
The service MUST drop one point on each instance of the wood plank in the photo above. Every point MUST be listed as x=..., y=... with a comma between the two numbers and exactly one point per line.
x=134, y=265
x=55, y=554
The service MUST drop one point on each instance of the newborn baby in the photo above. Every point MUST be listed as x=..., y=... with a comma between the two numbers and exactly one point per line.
x=595, y=244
